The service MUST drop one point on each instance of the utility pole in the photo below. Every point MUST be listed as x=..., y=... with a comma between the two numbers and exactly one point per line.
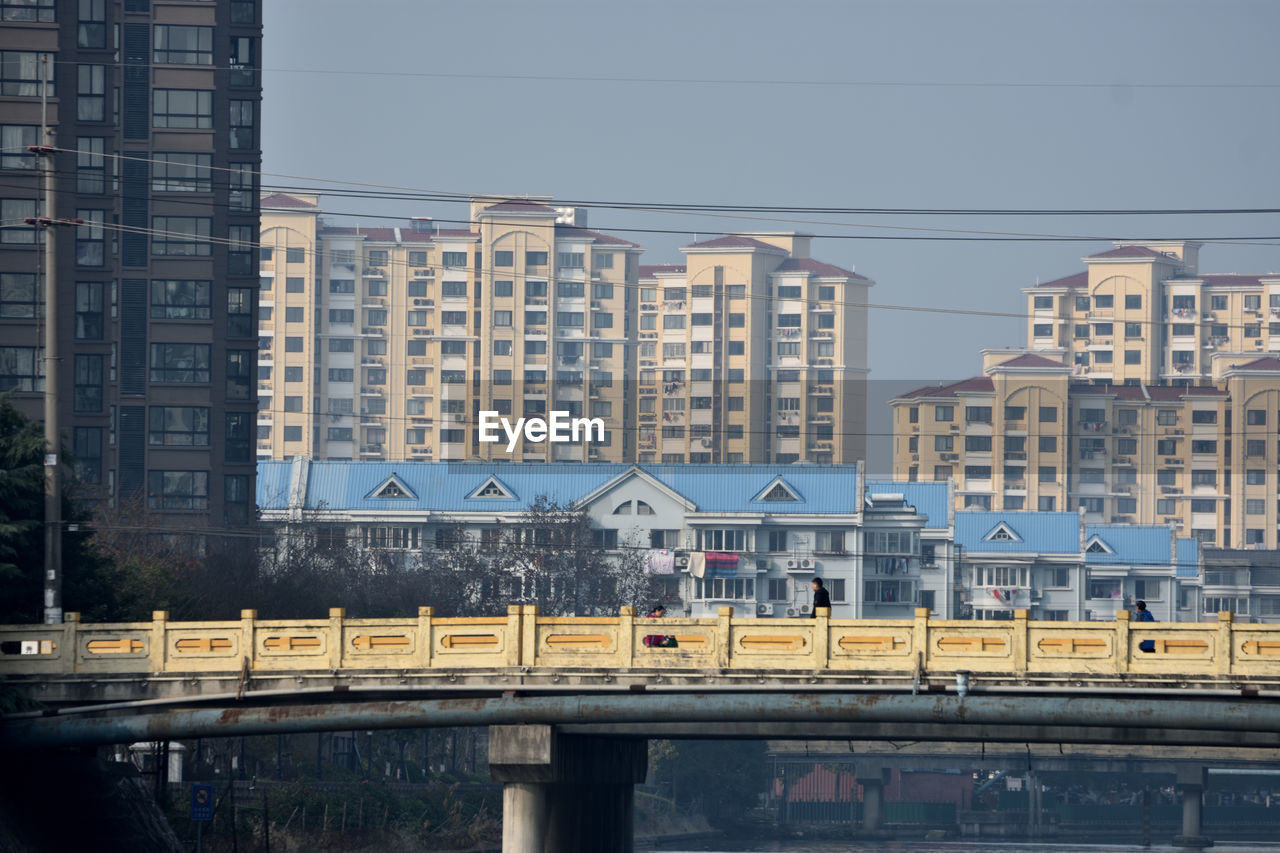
x=52, y=438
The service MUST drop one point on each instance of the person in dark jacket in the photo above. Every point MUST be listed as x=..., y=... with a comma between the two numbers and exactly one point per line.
x=821, y=598
x=1144, y=615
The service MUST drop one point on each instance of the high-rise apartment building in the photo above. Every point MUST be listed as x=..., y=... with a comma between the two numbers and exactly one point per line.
x=752, y=351
x=1143, y=314
x=155, y=107
x=1123, y=438
x=389, y=343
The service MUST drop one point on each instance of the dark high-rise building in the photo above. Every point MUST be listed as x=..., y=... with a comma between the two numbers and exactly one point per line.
x=156, y=109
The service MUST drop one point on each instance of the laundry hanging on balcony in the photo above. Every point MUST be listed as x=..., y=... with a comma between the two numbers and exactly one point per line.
x=660, y=561
x=721, y=564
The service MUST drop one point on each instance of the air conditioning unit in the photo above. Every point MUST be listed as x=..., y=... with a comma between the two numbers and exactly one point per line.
x=682, y=561
x=762, y=565
x=706, y=442
x=792, y=564
x=805, y=609
x=764, y=609
x=806, y=563
x=792, y=612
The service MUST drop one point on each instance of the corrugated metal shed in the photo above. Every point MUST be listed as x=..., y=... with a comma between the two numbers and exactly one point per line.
x=1035, y=532
x=273, y=484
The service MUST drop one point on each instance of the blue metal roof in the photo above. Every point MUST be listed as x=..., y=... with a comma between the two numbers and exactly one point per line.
x=1036, y=532
x=1130, y=544
x=929, y=499
x=1188, y=557
x=448, y=486
x=273, y=484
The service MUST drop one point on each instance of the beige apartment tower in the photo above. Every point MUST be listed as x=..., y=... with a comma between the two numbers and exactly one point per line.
x=1149, y=394
x=387, y=343
x=752, y=351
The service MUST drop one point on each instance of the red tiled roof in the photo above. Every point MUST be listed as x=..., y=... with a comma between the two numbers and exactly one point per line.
x=1031, y=360
x=733, y=241
x=1235, y=279
x=1130, y=252
x=587, y=234
x=456, y=232
x=651, y=270
x=1075, y=280
x=519, y=204
x=818, y=268
x=976, y=383
x=285, y=200
x=1269, y=362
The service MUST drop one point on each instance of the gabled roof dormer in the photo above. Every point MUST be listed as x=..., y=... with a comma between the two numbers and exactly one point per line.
x=1002, y=532
x=778, y=491
x=1096, y=545
x=392, y=488
x=492, y=489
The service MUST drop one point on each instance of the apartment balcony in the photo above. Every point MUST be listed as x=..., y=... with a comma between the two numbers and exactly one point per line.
x=423, y=303
x=535, y=300
x=375, y=272
x=424, y=333
x=374, y=331
x=1015, y=455
x=1183, y=313
x=821, y=335
x=371, y=391
x=373, y=361
x=373, y=302
x=821, y=390
x=1093, y=426
x=371, y=450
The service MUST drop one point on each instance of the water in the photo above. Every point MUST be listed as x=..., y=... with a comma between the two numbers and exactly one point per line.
x=802, y=846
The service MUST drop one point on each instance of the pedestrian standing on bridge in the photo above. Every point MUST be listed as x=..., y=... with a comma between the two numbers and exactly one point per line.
x=659, y=640
x=1144, y=615
x=821, y=598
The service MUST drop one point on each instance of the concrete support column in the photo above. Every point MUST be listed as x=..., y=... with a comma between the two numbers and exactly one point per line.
x=1191, y=789
x=872, y=778
x=524, y=817
x=565, y=793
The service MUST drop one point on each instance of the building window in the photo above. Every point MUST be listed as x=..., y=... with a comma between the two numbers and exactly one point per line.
x=178, y=426
x=183, y=45
x=240, y=188
x=89, y=314
x=178, y=489
x=20, y=296
x=182, y=108
x=944, y=413
x=20, y=73
x=240, y=132
x=91, y=171
x=181, y=235
x=237, y=429
x=31, y=11
x=454, y=259
x=1048, y=414
x=21, y=369
x=977, y=414
x=180, y=362
x=570, y=260
x=88, y=451
x=91, y=245
x=180, y=172
x=531, y=259
x=14, y=139
x=181, y=300
x=87, y=390
x=239, y=312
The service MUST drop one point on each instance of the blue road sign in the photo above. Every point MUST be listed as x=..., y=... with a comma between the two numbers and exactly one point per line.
x=202, y=802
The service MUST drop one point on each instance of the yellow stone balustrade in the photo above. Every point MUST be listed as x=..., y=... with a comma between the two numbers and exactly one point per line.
x=524, y=639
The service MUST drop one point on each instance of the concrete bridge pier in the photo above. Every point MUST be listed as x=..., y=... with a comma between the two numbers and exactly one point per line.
x=872, y=778
x=1191, y=781
x=565, y=792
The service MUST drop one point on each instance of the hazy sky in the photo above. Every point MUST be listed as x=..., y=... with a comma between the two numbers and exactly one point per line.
x=703, y=118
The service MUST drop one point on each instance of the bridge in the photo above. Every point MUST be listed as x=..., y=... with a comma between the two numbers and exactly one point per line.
x=571, y=701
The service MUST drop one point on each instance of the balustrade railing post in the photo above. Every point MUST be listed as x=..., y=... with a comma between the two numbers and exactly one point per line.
x=724, y=616
x=70, y=653
x=156, y=642
x=529, y=638
x=821, y=637
x=626, y=636
x=1224, y=651
x=336, y=616
x=426, y=648
x=1120, y=654
x=920, y=638
x=515, y=634
x=1019, y=649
